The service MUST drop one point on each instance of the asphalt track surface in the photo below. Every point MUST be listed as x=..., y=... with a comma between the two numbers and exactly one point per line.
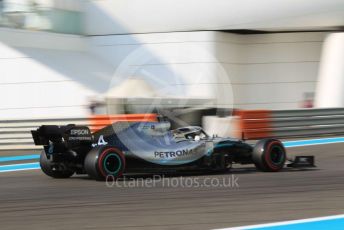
x=31, y=200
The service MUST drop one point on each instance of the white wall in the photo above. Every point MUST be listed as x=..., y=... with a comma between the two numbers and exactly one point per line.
x=330, y=88
x=176, y=64
x=274, y=70
x=256, y=71
x=45, y=74
x=51, y=76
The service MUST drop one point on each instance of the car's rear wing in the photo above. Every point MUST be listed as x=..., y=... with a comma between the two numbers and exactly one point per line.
x=69, y=135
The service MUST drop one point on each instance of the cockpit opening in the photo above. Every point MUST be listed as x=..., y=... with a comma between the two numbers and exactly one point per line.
x=194, y=133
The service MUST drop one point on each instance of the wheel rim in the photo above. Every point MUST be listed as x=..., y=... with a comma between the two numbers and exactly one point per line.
x=112, y=163
x=277, y=155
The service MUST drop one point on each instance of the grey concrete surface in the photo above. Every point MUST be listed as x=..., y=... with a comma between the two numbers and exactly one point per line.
x=31, y=200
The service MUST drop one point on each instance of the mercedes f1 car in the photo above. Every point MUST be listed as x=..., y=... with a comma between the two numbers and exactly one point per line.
x=135, y=147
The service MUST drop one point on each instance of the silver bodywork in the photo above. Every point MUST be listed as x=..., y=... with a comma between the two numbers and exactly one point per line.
x=156, y=143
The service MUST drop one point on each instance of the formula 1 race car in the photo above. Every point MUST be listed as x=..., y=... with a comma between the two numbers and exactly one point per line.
x=135, y=147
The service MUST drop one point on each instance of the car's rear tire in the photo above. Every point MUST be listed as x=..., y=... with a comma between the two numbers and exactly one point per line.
x=105, y=161
x=46, y=166
x=269, y=155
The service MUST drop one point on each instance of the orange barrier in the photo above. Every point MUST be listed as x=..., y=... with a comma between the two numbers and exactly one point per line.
x=253, y=124
x=100, y=121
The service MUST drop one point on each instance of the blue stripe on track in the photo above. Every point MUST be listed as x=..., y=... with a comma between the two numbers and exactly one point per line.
x=337, y=224
x=19, y=167
x=19, y=158
x=320, y=223
x=289, y=144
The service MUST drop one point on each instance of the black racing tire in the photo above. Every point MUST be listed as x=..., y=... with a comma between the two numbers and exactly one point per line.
x=269, y=155
x=104, y=161
x=47, y=169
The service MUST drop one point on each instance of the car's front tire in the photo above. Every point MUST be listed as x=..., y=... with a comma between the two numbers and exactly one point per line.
x=269, y=155
x=104, y=161
x=55, y=172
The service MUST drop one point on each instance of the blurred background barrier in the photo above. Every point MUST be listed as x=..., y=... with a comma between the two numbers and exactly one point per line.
x=16, y=135
x=247, y=124
x=255, y=124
